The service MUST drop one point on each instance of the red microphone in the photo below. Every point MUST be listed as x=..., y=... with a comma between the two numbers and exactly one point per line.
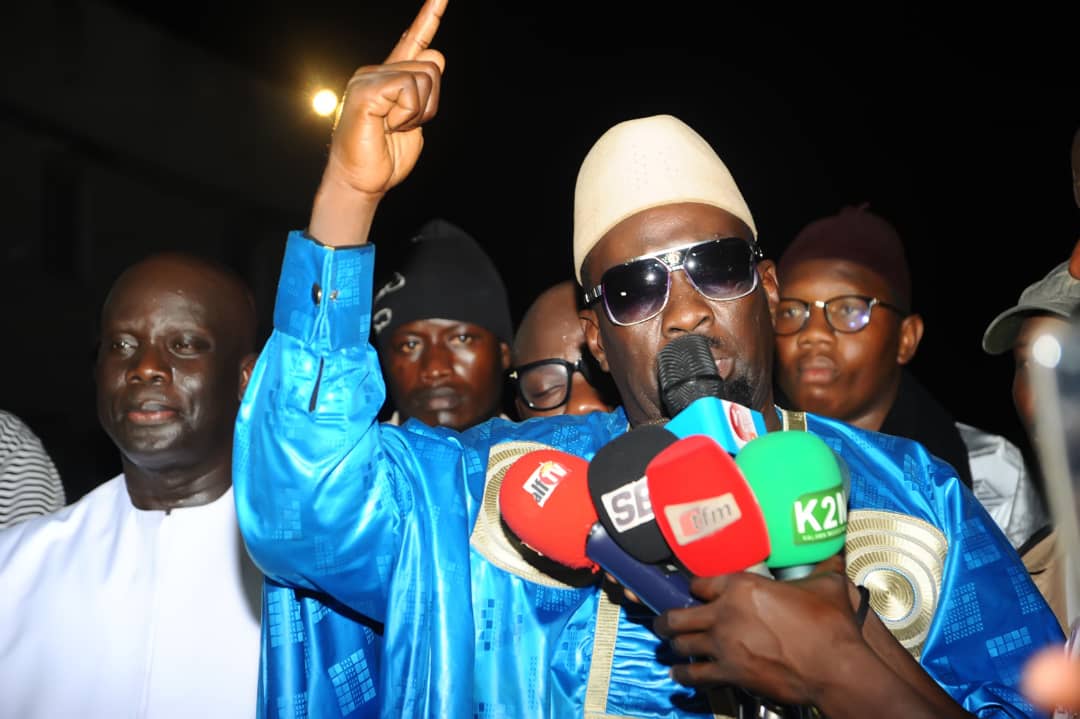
x=705, y=508
x=545, y=502
x=544, y=499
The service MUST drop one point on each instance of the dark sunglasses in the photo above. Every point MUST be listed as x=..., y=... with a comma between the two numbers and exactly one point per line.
x=719, y=269
x=545, y=384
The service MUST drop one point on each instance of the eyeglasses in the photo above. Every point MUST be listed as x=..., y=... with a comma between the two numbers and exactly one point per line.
x=545, y=384
x=845, y=313
x=636, y=291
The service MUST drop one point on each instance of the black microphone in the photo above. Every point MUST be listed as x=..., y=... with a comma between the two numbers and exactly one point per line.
x=621, y=496
x=687, y=371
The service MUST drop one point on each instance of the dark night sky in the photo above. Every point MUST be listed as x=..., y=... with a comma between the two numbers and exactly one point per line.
x=954, y=126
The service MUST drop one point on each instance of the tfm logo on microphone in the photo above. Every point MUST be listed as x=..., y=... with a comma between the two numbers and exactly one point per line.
x=543, y=480
x=820, y=516
x=692, y=521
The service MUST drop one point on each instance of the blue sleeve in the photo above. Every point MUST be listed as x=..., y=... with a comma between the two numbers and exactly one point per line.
x=318, y=507
x=359, y=516
x=991, y=618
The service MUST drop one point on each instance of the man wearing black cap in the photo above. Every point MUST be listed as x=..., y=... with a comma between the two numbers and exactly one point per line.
x=442, y=324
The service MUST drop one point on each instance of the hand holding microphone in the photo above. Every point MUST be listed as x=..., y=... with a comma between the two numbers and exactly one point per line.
x=769, y=637
x=763, y=636
x=754, y=631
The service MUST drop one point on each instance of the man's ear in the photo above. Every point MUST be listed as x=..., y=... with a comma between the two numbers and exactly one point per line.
x=766, y=270
x=504, y=355
x=247, y=366
x=519, y=408
x=911, y=332
x=590, y=325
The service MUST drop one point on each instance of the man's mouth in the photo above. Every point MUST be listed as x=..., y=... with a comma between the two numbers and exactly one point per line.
x=817, y=370
x=724, y=367
x=437, y=399
x=150, y=412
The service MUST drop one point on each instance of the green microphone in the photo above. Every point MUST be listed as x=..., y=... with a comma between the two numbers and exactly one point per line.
x=799, y=484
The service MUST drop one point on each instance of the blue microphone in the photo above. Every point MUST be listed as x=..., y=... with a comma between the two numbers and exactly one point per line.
x=690, y=387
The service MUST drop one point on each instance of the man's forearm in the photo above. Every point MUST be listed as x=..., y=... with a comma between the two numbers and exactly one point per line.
x=341, y=216
x=875, y=681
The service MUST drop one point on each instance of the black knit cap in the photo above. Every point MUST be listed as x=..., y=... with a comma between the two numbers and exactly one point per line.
x=445, y=275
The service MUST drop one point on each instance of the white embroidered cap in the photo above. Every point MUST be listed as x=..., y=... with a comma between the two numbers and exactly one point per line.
x=645, y=163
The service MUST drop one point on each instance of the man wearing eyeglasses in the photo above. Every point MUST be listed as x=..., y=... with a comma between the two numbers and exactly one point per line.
x=401, y=524
x=845, y=333
x=550, y=374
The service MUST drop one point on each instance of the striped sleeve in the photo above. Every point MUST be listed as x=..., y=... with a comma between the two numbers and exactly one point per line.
x=29, y=483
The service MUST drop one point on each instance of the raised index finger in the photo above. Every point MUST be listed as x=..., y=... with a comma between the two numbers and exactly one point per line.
x=420, y=34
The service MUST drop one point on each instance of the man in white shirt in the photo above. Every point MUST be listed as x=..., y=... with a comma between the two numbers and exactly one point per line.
x=139, y=600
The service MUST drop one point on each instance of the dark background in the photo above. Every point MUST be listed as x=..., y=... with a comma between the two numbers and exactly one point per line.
x=955, y=126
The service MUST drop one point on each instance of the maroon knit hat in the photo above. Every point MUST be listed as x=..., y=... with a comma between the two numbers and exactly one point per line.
x=857, y=235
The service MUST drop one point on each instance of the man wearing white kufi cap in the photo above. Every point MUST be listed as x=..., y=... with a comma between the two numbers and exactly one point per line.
x=646, y=163
x=402, y=524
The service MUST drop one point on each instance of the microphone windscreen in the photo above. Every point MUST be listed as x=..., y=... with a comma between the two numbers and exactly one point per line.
x=544, y=500
x=621, y=496
x=705, y=509
x=800, y=487
x=686, y=370
x=730, y=425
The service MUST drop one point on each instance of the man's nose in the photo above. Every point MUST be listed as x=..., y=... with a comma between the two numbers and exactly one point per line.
x=436, y=362
x=687, y=309
x=817, y=327
x=584, y=398
x=148, y=366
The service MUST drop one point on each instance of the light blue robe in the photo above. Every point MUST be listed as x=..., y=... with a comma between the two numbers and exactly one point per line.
x=379, y=518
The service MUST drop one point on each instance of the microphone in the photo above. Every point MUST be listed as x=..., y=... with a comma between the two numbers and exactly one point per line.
x=544, y=499
x=687, y=371
x=711, y=520
x=620, y=496
x=705, y=508
x=540, y=488
x=689, y=388
x=799, y=485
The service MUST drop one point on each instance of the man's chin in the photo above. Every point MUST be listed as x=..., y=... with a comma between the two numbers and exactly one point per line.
x=148, y=440
x=451, y=419
x=157, y=457
x=740, y=391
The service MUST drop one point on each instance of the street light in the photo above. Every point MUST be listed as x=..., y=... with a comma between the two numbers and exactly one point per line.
x=324, y=102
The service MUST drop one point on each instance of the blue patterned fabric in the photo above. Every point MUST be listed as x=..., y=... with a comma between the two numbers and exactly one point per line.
x=378, y=518
x=319, y=658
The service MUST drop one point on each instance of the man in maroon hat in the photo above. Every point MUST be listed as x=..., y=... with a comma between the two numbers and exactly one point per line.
x=845, y=332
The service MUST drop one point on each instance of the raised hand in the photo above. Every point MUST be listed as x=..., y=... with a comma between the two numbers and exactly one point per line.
x=377, y=136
